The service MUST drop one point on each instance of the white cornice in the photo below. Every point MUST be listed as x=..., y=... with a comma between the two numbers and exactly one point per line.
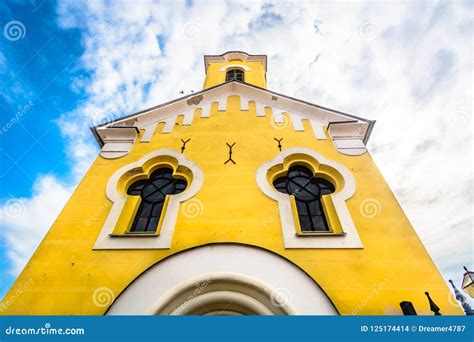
x=232, y=55
x=252, y=93
x=353, y=130
x=231, y=66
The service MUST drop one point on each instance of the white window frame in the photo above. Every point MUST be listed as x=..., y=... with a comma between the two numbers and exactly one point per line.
x=291, y=240
x=118, y=199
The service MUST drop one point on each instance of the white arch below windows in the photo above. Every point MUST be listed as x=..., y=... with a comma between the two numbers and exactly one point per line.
x=226, y=279
x=291, y=240
x=163, y=241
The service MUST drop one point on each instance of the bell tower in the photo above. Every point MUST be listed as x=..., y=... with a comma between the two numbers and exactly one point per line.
x=235, y=65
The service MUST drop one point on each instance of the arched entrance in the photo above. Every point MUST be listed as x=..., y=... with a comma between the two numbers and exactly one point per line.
x=223, y=279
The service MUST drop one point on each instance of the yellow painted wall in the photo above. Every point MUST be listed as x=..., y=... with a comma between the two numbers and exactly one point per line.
x=393, y=266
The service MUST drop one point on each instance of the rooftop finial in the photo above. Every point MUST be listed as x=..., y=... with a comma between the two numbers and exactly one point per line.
x=433, y=306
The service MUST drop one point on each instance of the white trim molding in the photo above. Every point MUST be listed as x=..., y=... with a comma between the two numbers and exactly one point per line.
x=118, y=199
x=239, y=66
x=348, y=137
x=118, y=141
x=291, y=240
x=223, y=279
x=349, y=133
x=235, y=55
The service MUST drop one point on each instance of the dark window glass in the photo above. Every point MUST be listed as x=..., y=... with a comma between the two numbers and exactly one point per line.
x=308, y=191
x=153, y=192
x=234, y=74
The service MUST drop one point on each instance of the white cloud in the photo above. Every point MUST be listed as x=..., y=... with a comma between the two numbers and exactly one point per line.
x=24, y=221
x=407, y=65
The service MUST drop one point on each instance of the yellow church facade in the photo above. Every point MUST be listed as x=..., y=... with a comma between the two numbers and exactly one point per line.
x=231, y=200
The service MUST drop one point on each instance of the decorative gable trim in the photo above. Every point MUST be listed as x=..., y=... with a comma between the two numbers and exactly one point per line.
x=348, y=133
x=118, y=141
x=348, y=137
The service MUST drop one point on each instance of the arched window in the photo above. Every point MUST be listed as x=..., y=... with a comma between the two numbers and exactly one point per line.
x=307, y=190
x=153, y=192
x=234, y=74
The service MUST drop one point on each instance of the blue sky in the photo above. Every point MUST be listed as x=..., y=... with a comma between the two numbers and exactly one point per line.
x=37, y=69
x=36, y=72
x=78, y=63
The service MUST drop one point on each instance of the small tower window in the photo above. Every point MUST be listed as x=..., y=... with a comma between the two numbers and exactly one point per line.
x=307, y=190
x=234, y=75
x=153, y=192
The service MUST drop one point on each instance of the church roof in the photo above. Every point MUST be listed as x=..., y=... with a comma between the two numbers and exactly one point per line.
x=266, y=98
x=349, y=133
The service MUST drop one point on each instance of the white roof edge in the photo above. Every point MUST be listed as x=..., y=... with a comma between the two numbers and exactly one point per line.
x=236, y=87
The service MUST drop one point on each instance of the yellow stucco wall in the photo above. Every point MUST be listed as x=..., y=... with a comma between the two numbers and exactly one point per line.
x=393, y=266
